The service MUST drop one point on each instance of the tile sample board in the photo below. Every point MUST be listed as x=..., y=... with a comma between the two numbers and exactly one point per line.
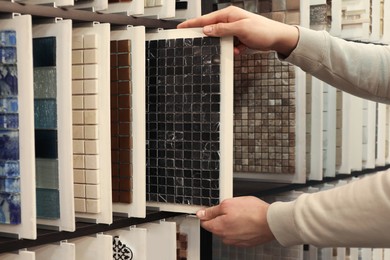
x=187, y=237
x=369, y=125
x=269, y=119
x=122, y=6
x=91, y=123
x=159, y=9
x=98, y=247
x=130, y=243
x=53, y=2
x=52, y=54
x=380, y=135
x=329, y=131
x=189, y=119
x=128, y=125
x=60, y=251
x=17, y=166
x=20, y=255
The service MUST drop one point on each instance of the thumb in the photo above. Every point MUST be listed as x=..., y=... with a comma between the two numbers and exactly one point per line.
x=221, y=29
x=209, y=213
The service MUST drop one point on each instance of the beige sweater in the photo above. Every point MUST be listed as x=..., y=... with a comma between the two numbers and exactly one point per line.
x=356, y=214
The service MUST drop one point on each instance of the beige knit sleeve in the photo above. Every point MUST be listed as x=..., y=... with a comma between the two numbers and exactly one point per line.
x=353, y=215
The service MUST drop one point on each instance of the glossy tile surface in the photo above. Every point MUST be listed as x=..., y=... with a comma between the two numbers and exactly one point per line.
x=264, y=115
x=10, y=211
x=45, y=120
x=121, y=121
x=183, y=115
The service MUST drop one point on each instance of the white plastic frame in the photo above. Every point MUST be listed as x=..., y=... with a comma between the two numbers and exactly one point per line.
x=165, y=11
x=98, y=247
x=61, y=251
x=135, y=7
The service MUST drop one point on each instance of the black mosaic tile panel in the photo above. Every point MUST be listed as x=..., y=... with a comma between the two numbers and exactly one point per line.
x=183, y=116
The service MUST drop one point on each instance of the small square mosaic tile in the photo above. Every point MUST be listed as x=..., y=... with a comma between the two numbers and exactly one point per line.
x=183, y=117
x=121, y=121
x=264, y=115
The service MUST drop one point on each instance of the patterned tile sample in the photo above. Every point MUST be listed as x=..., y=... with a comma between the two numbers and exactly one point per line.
x=319, y=19
x=121, y=122
x=121, y=250
x=45, y=119
x=183, y=117
x=264, y=115
x=181, y=245
x=10, y=210
x=285, y=11
x=85, y=123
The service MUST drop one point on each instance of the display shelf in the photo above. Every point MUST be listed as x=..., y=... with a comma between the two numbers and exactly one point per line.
x=82, y=229
x=42, y=11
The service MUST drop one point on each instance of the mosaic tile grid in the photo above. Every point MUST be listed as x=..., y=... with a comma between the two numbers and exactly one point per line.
x=264, y=115
x=121, y=250
x=121, y=121
x=183, y=115
x=10, y=210
x=181, y=244
x=45, y=121
x=85, y=123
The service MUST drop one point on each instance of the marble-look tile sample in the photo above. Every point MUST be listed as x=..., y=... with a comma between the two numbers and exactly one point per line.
x=319, y=19
x=183, y=117
x=121, y=121
x=85, y=123
x=10, y=210
x=264, y=115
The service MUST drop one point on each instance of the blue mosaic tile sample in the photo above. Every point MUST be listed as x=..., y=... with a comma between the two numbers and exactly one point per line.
x=183, y=118
x=10, y=211
x=48, y=206
x=46, y=134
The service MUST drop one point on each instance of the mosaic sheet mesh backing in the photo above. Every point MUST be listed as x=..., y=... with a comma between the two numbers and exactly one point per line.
x=10, y=211
x=264, y=114
x=46, y=137
x=121, y=122
x=183, y=115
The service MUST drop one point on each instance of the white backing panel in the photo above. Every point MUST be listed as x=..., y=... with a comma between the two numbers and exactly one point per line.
x=61, y=251
x=97, y=247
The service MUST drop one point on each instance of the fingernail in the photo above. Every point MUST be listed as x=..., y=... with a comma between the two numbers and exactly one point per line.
x=200, y=213
x=208, y=29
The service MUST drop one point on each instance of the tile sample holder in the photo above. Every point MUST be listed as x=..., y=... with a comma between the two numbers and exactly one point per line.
x=20, y=255
x=161, y=238
x=380, y=142
x=61, y=251
x=129, y=8
x=314, y=126
x=131, y=241
x=190, y=226
x=299, y=174
x=103, y=178
x=369, y=124
x=62, y=31
x=225, y=121
x=22, y=25
x=166, y=9
x=137, y=208
x=98, y=247
x=193, y=10
x=55, y=3
x=355, y=19
x=93, y=5
x=329, y=131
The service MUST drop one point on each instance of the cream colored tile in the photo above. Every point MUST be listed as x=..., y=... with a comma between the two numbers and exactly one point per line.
x=91, y=117
x=79, y=176
x=93, y=206
x=79, y=190
x=77, y=87
x=91, y=56
x=92, y=176
x=92, y=162
x=78, y=102
x=90, y=71
x=78, y=117
x=77, y=42
x=91, y=132
x=91, y=147
x=293, y=18
x=292, y=4
x=90, y=41
x=278, y=5
x=80, y=205
x=90, y=86
x=77, y=57
x=78, y=132
x=91, y=102
x=77, y=71
x=78, y=161
x=78, y=147
x=92, y=191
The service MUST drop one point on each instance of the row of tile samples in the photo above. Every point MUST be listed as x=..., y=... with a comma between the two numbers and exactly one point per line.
x=139, y=118
x=175, y=238
x=161, y=9
x=274, y=250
